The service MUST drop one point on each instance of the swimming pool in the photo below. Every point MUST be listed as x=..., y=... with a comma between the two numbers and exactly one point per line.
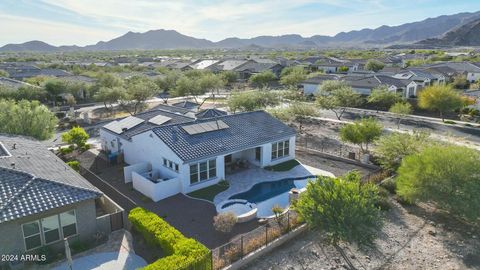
x=268, y=194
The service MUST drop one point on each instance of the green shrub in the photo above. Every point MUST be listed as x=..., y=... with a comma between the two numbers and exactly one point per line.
x=180, y=251
x=383, y=201
x=389, y=184
x=450, y=122
x=65, y=150
x=74, y=164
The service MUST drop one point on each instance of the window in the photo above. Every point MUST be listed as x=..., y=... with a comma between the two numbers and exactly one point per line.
x=193, y=173
x=203, y=171
x=31, y=235
x=280, y=149
x=69, y=223
x=258, y=153
x=170, y=164
x=51, y=229
x=228, y=159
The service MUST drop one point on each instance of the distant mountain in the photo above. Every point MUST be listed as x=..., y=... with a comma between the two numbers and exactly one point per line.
x=154, y=39
x=34, y=45
x=465, y=35
x=431, y=28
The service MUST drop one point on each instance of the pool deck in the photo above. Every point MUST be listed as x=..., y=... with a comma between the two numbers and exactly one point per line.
x=244, y=180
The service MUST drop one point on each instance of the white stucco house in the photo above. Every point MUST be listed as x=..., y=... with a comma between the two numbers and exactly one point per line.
x=185, y=156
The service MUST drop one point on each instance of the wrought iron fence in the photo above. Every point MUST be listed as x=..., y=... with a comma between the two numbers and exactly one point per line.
x=251, y=241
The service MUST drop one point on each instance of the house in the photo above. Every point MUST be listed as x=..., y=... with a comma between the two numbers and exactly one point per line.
x=310, y=86
x=191, y=106
x=227, y=65
x=184, y=157
x=117, y=135
x=11, y=83
x=250, y=68
x=203, y=64
x=43, y=200
x=470, y=70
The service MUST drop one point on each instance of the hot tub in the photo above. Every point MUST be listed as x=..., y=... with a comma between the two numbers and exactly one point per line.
x=244, y=210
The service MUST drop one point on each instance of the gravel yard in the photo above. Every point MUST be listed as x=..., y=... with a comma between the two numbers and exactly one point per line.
x=412, y=238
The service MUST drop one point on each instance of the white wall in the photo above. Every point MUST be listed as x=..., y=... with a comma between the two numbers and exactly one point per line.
x=310, y=88
x=156, y=191
x=267, y=153
x=139, y=168
x=109, y=141
x=185, y=177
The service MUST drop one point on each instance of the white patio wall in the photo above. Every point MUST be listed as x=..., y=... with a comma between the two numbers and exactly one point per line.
x=139, y=168
x=156, y=191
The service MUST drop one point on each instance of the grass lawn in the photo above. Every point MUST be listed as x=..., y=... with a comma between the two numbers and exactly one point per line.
x=284, y=166
x=210, y=192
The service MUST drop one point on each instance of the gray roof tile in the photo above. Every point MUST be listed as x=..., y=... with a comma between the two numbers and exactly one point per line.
x=245, y=130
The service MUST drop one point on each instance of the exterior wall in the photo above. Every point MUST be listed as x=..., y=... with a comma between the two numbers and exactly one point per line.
x=185, y=177
x=309, y=89
x=267, y=153
x=12, y=234
x=109, y=141
x=473, y=77
x=156, y=191
x=139, y=167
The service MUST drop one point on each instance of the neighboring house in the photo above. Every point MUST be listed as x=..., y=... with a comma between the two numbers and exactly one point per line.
x=184, y=157
x=191, y=106
x=247, y=70
x=11, y=83
x=470, y=70
x=226, y=65
x=209, y=113
x=203, y=64
x=310, y=86
x=43, y=200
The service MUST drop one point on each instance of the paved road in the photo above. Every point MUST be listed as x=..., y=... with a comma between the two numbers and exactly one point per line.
x=470, y=134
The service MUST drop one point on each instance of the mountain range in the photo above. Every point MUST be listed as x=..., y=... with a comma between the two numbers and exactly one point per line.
x=449, y=30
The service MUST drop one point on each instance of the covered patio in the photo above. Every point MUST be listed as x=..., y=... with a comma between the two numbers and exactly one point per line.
x=243, y=180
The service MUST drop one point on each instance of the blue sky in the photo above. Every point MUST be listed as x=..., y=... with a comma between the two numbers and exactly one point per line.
x=82, y=22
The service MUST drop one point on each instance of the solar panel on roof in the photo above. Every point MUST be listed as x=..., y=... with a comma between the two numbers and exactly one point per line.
x=124, y=124
x=205, y=127
x=159, y=119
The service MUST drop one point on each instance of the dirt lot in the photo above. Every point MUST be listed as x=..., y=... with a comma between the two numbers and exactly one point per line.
x=412, y=238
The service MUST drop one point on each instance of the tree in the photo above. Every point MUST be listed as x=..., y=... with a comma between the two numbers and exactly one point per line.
x=262, y=79
x=343, y=208
x=374, y=65
x=460, y=82
x=337, y=96
x=440, y=98
x=55, y=87
x=211, y=83
x=4, y=73
x=76, y=136
x=361, y=132
x=391, y=149
x=382, y=98
x=187, y=86
x=299, y=112
x=401, y=109
x=292, y=76
x=109, y=96
x=229, y=76
x=139, y=89
x=343, y=69
x=252, y=100
x=28, y=118
x=448, y=176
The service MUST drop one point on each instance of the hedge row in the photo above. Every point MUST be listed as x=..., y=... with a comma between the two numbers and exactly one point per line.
x=180, y=251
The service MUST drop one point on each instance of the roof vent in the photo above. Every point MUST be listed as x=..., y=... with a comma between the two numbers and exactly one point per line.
x=12, y=165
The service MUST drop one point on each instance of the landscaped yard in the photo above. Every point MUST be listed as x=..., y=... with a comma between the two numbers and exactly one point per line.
x=284, y=166
x=210, y=192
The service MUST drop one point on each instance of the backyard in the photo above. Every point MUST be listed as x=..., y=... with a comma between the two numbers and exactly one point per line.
x=413, y=237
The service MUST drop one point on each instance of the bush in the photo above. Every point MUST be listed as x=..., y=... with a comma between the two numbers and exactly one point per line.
x=74, y=164
x=389, y=184
x=65, y=150
x=224, y=222
x=383, y=201
x=180, y=251
x=450, y=122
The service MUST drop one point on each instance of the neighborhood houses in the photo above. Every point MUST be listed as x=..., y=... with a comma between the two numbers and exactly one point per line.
x=158, y=150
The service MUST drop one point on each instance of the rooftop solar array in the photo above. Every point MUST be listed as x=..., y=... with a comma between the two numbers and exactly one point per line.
x=159, y=119
x=205, y=127
x=124, y=124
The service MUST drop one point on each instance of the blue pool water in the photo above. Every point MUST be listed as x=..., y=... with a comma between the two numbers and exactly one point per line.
x=268, y=194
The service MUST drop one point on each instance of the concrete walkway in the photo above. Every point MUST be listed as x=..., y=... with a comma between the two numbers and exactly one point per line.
x=244, y=180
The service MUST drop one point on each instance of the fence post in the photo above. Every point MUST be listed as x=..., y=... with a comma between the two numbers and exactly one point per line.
x=241, y=245
x=266, y=234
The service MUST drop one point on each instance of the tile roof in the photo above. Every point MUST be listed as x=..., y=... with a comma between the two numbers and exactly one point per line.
x=22, y=194
x=209, y=113
x=186, y=105
x=169, y=108
x=33, y=157
x=144, y=123
x=245, y=130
